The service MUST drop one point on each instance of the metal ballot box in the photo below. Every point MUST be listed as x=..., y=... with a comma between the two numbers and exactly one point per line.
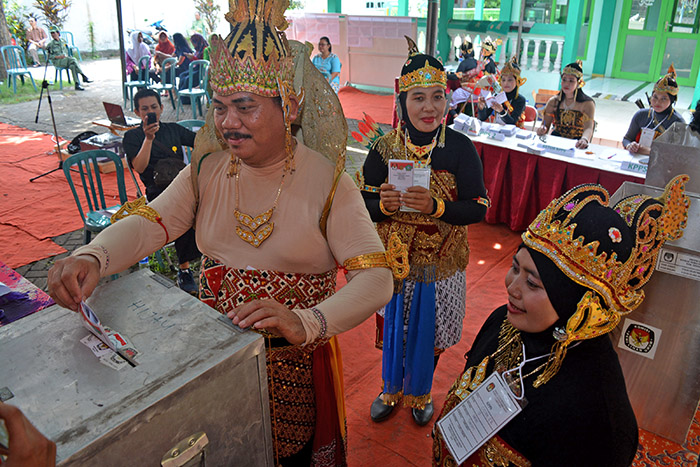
x=195, y=373
x=659, y=343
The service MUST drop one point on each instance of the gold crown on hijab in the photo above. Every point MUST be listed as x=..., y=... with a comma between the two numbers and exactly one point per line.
x=255, y=55
x=668, y=82
x=423, y=77
x=512, y=68
x=571, y=70
x=489, y=47
x=651, y=221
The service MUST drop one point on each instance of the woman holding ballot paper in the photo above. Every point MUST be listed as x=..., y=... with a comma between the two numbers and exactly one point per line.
x=512, y=111
x=422, y=183
x=647, y=125
x=571, y=112
x=545, y=354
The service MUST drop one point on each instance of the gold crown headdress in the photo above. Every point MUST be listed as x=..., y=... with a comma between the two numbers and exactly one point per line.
x=668, y=82
x=512, y=68
x=575, y=69
x=614, y=285
x=413, y=75
x=489, y=47
x=255, y=57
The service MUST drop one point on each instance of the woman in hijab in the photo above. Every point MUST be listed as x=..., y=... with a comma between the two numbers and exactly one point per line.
x=182, y=49
x=511, y=112
x=425, y=314
x=654, y=121
x=133, y=55
x=579, y=269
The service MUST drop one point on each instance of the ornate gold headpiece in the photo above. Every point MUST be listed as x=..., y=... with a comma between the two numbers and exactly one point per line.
x=512, y=68
x=255, y=55
x=489, y=47
x=668, y=82
x=570, y=69
x=413, y=75
x=614, y=286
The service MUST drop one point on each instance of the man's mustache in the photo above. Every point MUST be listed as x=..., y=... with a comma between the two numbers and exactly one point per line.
x=235, y=135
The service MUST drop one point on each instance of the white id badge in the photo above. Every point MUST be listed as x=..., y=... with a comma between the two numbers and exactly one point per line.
x=647, y=137
x=421, y=177
x=478, y=417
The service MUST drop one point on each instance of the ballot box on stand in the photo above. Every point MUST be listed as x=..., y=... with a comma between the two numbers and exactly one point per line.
x=659, y=343
x=198, y=391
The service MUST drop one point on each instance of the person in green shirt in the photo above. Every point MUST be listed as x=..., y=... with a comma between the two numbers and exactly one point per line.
x=58, y=53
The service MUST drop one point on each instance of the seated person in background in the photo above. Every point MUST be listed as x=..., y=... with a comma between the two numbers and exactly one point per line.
x=59, y=55
x=28, y=447
x=657, y=119
x=164, y=49
x=550, y=338
x=468, y=62
x=200, y=44
x=512, y=112
x=571, y=112
x=488, y=48
x=328, y=63
x=182, y=48
x=133, y=55
x=37, y=39
x=152, y=148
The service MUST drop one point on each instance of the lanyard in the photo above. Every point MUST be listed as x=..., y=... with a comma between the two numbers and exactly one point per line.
x=653, y=119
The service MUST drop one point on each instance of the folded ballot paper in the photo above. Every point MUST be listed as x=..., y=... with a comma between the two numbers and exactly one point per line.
x=112, y=348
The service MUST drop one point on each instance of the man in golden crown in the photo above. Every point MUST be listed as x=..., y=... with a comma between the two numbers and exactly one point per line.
x=273, y=219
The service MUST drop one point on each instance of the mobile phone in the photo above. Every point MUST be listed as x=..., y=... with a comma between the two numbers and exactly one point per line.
x=151, y=118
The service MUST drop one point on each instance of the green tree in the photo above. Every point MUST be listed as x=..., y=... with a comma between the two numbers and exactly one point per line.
x=16, y=16
x=209, y=11
x=55, y=11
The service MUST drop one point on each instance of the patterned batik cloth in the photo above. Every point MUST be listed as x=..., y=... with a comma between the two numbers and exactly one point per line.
x=450, y=307
x=420, y=321
x=305, y=386
x=569, y=124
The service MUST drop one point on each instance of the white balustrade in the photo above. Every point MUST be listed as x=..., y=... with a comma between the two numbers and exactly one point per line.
x=557, y=62
x=535, y=63
x=547, y=59
x=523, y=54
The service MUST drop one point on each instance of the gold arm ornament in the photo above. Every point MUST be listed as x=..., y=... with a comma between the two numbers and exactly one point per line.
x=395, y=258
x=139, y=207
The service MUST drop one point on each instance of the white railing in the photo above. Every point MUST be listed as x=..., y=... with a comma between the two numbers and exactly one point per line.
x=528, y=60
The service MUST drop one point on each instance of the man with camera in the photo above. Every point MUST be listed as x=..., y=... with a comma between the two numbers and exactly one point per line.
x=154, y=150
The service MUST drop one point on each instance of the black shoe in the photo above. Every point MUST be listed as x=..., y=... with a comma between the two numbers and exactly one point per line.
x=79, y=87
x=423, y=416
x=86, y=79
x=185, y=281
x=379, y=411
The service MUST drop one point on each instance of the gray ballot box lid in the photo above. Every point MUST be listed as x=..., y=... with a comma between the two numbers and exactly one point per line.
x=195, y=373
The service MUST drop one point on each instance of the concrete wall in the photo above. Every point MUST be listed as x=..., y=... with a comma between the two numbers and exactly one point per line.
x=178, y=15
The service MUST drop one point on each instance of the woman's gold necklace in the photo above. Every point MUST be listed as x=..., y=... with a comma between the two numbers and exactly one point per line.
x=255, y=230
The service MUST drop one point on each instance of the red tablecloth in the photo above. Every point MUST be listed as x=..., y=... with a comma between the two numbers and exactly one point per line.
x=520, y=185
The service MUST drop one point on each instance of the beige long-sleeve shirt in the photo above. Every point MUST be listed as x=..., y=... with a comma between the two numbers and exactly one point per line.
x=295, y=245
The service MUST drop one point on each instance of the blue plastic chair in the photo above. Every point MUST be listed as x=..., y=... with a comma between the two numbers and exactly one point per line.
x=195, y=90
x=167, y=79
x=96, y=219
x=72, y=49
x=15, y=65
x=142, y=82
x=192, y=125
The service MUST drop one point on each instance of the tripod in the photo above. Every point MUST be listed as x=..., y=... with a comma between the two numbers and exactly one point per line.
x=45, y=85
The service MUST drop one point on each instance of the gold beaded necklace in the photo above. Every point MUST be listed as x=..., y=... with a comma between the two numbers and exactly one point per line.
x=254, y=230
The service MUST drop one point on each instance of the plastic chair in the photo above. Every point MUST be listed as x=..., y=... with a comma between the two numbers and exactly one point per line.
x=167, y=79
x=195, y=91
x=192, y=125
x=142, y=82
x=96, y=219
x=531, y=115
x=15, y=65
x=72, y=49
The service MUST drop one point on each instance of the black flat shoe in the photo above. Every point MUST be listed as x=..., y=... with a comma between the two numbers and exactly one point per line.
x=86, y=79
x=423, y=416
x=379, y=411
x=79, y=87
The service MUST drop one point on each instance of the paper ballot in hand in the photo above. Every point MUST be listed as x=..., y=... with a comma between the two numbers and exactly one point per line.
x=404, y=174
x=92, y=323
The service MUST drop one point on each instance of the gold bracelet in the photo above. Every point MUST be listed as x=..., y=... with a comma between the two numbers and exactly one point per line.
x=440, y=210
x=384, y=211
